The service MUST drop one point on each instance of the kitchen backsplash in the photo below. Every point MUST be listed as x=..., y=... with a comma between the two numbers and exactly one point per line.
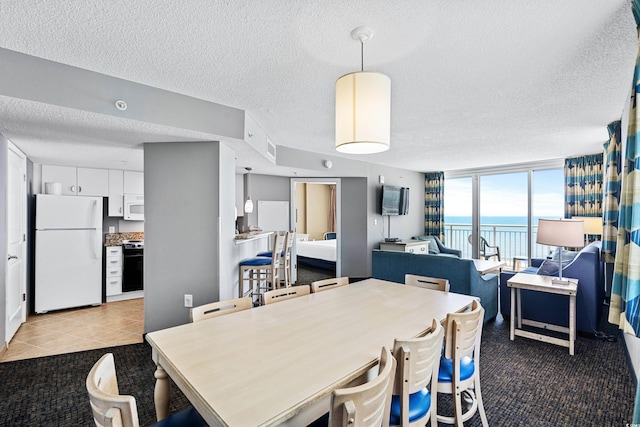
x=116, y=239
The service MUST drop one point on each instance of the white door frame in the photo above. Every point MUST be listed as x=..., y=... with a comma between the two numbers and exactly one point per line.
x=293, y=219
x=16, y=314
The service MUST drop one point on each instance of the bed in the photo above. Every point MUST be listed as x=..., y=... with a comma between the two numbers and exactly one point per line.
x=318, y=253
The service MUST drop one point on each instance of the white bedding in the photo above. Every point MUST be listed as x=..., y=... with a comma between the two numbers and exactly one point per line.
x=321, y=249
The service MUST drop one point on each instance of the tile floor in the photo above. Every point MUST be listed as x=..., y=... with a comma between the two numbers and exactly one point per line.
x=66, y=331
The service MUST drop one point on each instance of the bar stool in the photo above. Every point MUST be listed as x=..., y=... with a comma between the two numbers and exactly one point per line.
x=261, y=269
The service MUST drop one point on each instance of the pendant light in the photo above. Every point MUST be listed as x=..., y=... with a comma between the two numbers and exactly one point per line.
x=363, y=107
x=248, y=205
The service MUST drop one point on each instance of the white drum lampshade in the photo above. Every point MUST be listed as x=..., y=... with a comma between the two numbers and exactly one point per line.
x=363, y=113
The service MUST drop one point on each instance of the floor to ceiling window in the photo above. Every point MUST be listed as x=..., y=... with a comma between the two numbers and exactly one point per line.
x=504, y=207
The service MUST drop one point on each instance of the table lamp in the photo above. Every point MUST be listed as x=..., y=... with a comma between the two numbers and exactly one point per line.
x=592, y=226
x=560, y=233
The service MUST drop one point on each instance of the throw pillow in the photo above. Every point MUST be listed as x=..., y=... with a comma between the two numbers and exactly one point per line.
x=433, y=247
x=567, y=256
x=550, y=267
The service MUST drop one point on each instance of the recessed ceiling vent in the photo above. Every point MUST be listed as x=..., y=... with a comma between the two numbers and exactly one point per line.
x=271, y=149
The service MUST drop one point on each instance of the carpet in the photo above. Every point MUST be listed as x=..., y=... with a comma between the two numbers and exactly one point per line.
x=524, y=383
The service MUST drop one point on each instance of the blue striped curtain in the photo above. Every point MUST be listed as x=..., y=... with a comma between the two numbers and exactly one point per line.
x=611, y=198
x=624, y=309
x=434, y=204
x=583, y=186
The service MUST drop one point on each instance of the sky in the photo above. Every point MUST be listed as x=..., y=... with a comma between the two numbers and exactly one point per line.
x=506, y=195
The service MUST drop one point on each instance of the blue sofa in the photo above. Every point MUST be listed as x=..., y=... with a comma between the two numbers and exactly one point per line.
x=461, y=273
x=550, y=308
x=437, y=247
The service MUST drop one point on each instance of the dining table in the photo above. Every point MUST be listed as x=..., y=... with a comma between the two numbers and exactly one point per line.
x=278, y=364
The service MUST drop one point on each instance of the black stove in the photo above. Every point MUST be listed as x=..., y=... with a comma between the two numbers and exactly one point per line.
x=132, y=272
x=133, y=244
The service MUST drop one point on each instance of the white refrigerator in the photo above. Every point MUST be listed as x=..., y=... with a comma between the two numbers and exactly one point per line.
x=68, y=252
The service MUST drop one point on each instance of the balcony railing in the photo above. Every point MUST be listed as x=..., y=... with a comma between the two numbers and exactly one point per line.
x=511, y=239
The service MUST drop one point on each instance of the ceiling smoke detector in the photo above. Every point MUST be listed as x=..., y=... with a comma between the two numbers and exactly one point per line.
x=121, y=105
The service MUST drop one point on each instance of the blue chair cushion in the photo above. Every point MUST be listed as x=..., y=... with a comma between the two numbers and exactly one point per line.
x=446, y=369
x=189, y=417
x=419, y=404
x=257, y=261
x=268, y=253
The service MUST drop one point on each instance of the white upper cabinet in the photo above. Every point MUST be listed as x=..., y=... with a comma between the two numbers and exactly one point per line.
x=116, y=193
x=77, y=181
x=133, y=182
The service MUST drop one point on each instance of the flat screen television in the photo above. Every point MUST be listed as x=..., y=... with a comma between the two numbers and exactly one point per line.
x=391, y=196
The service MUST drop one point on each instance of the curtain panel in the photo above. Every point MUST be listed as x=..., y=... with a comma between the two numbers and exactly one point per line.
x=331, y=226
x=612, y=187
x=624, y=309
x=583, y=186
x=434, y=204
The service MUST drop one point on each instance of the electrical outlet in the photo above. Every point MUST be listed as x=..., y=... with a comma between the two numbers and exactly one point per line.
x=188, y=300
x=375, y=221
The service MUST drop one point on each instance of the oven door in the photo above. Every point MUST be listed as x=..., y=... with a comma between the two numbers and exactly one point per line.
x=132, y=270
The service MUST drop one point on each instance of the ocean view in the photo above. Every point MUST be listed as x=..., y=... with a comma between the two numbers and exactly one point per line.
x=490, y=220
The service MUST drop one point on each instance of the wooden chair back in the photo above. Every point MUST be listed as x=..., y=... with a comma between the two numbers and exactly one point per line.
x=418, y=362
x=282, y=294
x=427, y=282
x=278, y=249
x=464, y=333
x=220, y=308
x=368, y=404
x=109, y=408
x=326, y=284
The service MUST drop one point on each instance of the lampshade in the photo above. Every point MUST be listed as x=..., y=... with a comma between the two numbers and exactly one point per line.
x=363, y=113
x=248, y=205
x=592, y=224
x=561, y=232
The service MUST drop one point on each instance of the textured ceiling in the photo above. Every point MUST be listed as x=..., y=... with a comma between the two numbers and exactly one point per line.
x=474, y=83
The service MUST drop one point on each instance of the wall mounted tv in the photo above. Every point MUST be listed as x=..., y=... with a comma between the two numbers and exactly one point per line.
x=395, y=200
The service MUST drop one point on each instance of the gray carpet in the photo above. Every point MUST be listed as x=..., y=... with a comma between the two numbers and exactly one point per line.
x=524, y=383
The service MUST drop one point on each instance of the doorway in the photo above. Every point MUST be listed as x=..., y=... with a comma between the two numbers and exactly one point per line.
x=326, y=211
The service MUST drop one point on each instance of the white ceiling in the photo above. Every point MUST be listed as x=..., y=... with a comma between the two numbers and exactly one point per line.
x=474, y=83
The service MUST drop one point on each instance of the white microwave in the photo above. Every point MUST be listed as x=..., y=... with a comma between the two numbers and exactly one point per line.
x=134, y=207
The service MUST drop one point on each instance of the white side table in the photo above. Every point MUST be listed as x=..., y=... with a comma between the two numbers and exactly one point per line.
x=540, y=283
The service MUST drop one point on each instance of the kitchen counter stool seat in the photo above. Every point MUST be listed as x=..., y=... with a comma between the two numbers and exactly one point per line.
x=258, y=270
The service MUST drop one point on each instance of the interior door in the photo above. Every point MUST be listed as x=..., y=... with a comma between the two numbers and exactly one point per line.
x=16, y=284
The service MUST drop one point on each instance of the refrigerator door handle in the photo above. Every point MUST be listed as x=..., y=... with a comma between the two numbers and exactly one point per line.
x=98, y=229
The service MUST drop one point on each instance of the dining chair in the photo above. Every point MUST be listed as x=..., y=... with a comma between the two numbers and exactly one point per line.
x=368, y=404
x=414, y=399
x=282, y=294
x=220, y=308
x=459, y=370
x=262, y=269
x=427, y=282
x=110, y=408
x=326, y=284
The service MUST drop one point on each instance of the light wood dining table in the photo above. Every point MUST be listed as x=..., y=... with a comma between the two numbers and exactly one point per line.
x=279, y=363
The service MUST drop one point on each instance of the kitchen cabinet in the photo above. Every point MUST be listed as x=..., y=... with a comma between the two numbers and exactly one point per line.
x=116, y=193
x=133, y=182
x=77, y=181
x=113, y=270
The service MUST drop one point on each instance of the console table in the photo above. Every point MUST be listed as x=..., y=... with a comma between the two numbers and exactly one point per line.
x=539, y=283
x=413, y=246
